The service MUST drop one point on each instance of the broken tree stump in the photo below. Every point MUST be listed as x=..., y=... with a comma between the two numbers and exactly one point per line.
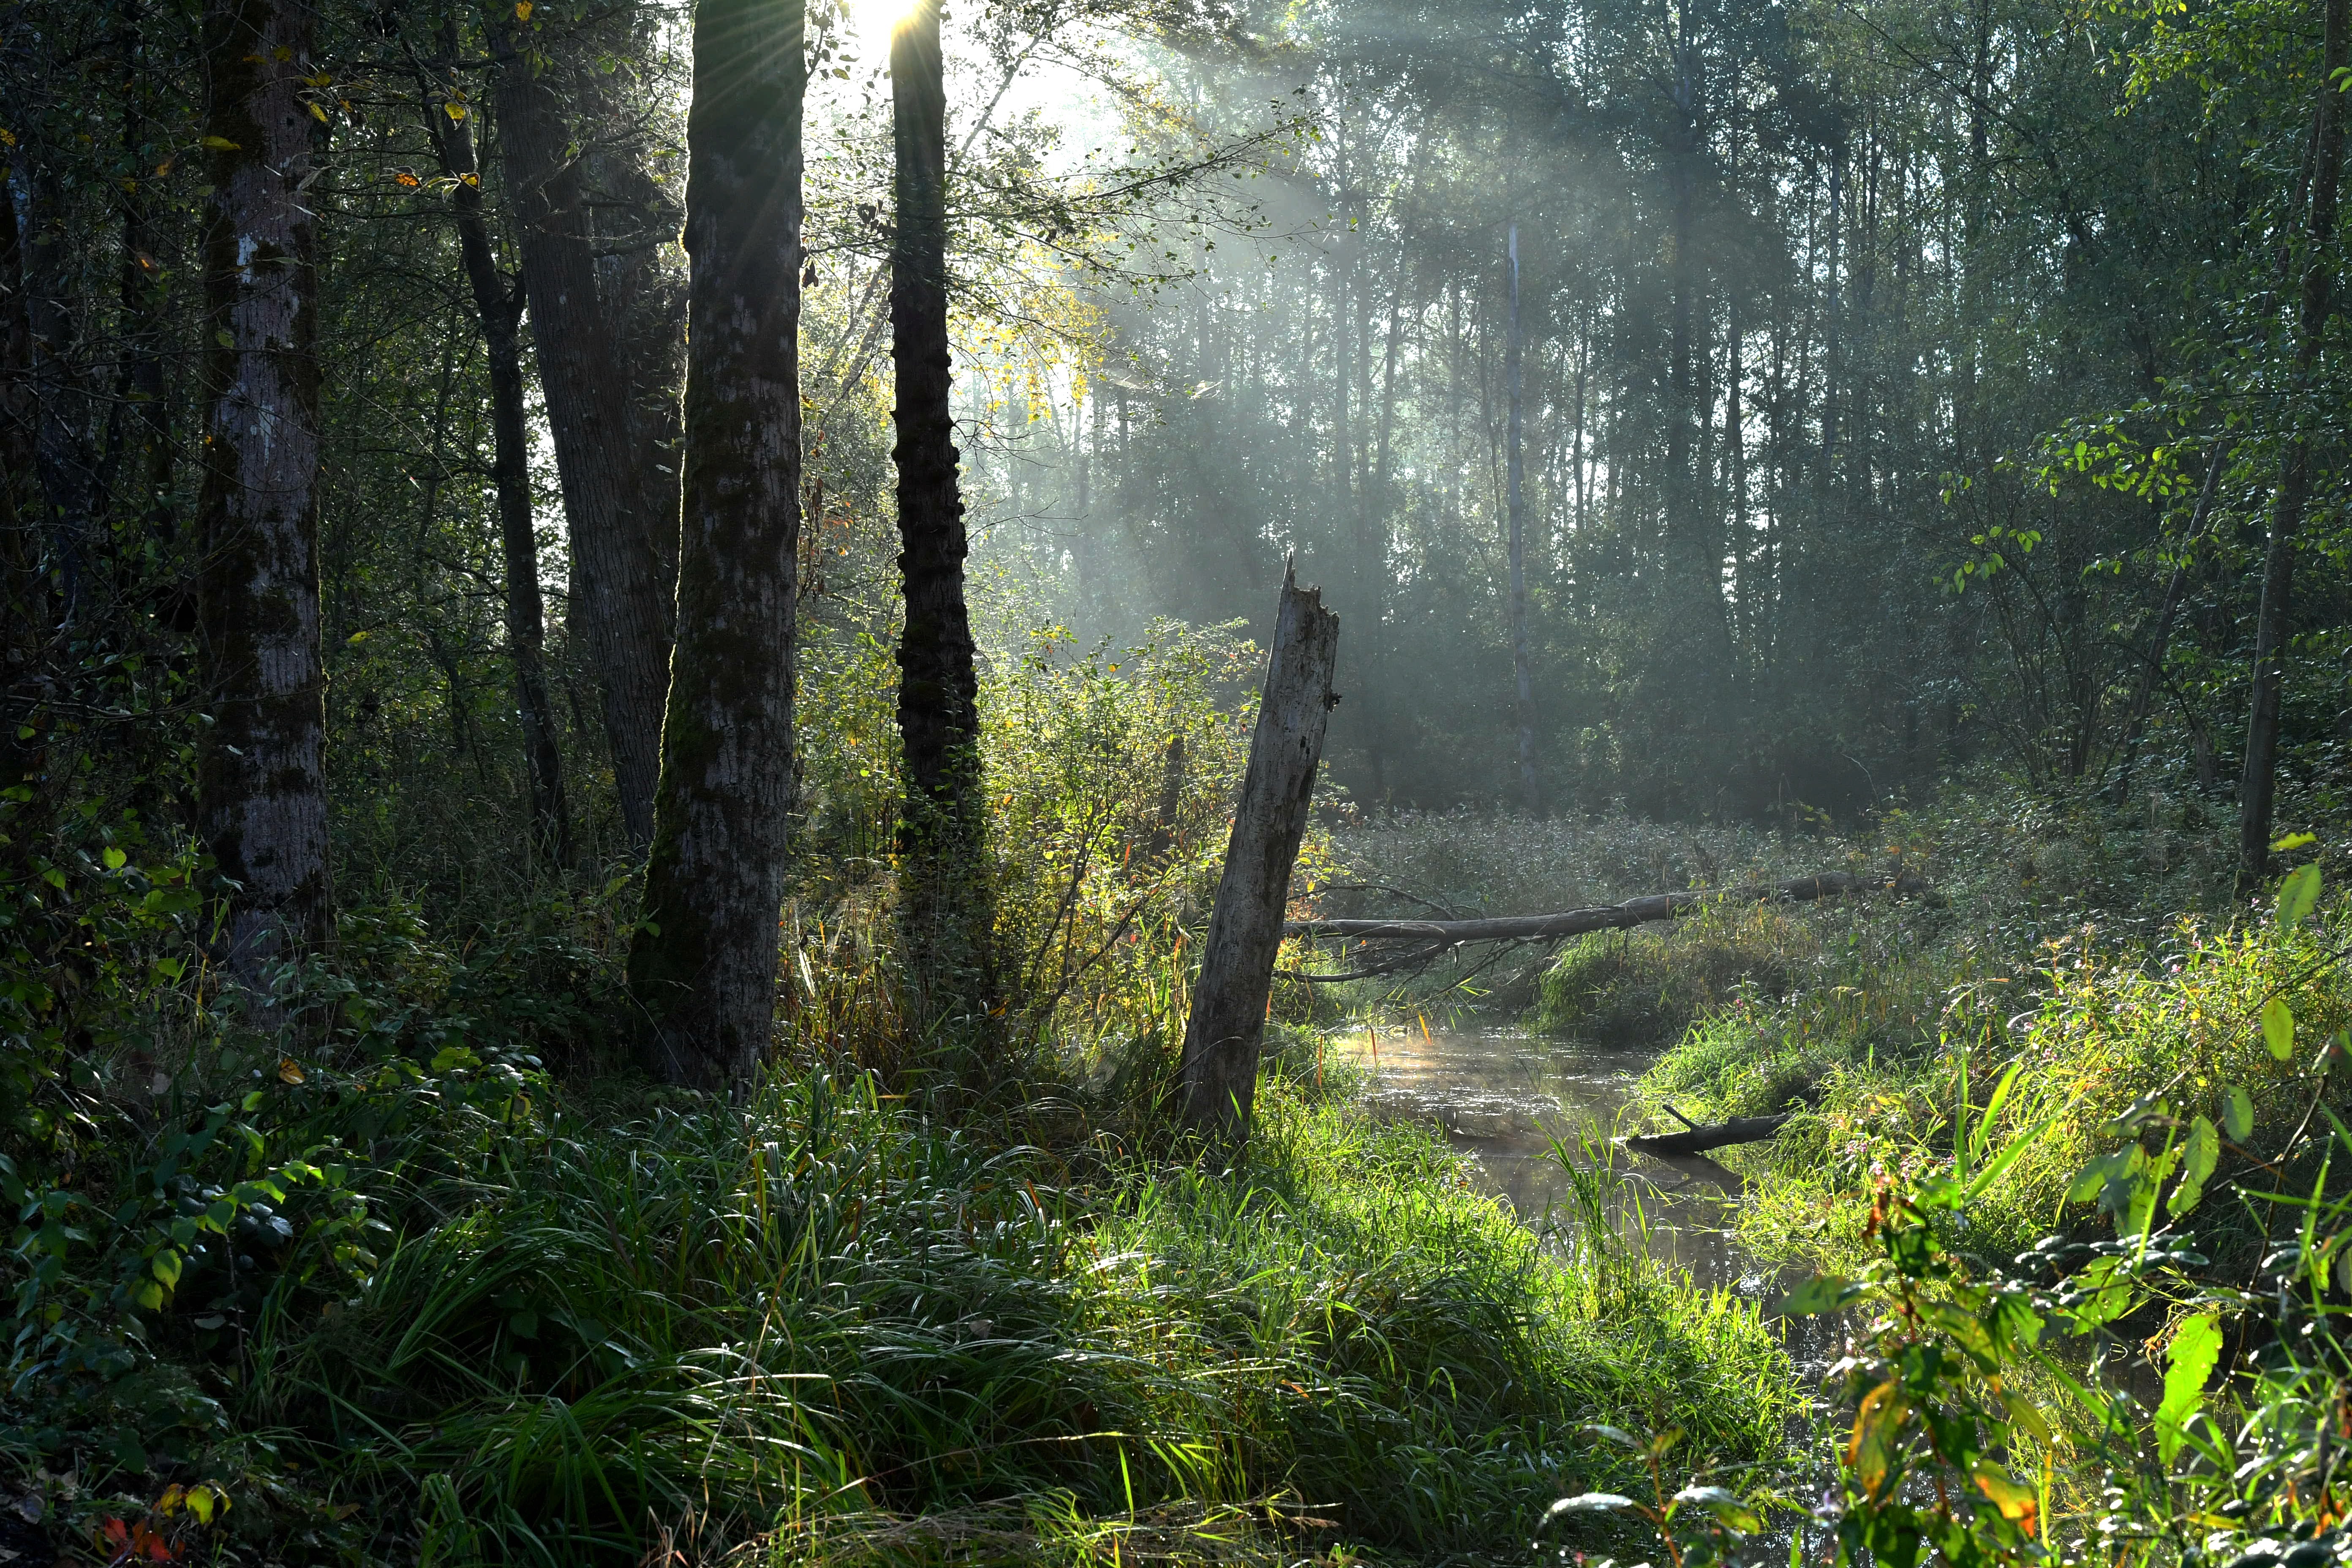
x=1227, y=1023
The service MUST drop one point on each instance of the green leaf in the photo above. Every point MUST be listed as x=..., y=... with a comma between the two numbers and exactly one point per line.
x=2103, y=1171
x=1727, y=1508
x=2278, y=1028
x=166, y=1267
x=1822, y=1293
x=1617, y=1435
x=2238, y=1114
x=2293, y=841
x=2297, y=895
x=2197, y=1159
x=2187, y=1362
x=114, y=859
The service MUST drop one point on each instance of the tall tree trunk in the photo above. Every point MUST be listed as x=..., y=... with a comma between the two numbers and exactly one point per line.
x=1514, y=482
x=500, y=314
x=2257, y=790
x=1227, y=1021
x=61, y=453
x=623, y=539
x=704, y=967
x=141, y=423
x=261, y=781
x=942, y=836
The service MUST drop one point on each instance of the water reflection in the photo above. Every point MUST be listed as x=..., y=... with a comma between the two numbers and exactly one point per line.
x=1502, y=1095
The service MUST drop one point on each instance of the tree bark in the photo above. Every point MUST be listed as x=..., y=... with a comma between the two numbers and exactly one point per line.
x=942, y=831
x=261, y=779
x=2257, y=790
x=1515, y=466
x=62, y=458
x=623, y=538
x=1227, y=1023
x=704, y=968
x=499, y=312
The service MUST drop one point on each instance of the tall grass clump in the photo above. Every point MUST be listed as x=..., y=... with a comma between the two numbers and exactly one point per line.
x=1644, y=986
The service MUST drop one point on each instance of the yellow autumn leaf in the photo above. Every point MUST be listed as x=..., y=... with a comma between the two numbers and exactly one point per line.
x=289, y=1070
x=222, y=145
x=455, y=111
x=318, y=113
x=522, y=10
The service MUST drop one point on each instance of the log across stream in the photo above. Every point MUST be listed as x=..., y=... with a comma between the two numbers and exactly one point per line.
x=1500, y=1095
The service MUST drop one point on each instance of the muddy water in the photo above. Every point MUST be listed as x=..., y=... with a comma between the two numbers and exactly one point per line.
x=1504, y=1096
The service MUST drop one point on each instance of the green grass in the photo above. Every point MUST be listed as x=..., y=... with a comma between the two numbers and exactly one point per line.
x=1644, y=986
x=822, y=1327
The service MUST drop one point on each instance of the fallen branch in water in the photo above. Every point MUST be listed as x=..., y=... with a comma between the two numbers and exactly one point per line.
x=1699, y=1140
x=1442, y=934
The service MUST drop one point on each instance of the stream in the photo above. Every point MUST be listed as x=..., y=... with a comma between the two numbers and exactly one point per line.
x=1502, y=1095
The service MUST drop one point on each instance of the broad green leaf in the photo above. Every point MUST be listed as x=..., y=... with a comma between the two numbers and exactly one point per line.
x=1727, y=1508
x=2278, y=1028
x=2106, y=1294
x=2187, y=1362
x=2202, y=1153
x=2293, y=841
x=1822, y=1293
x=2106, y=1171
x=2022, y=1411
x=166, y=1267
x=2297, y=896
x=2238, y=1114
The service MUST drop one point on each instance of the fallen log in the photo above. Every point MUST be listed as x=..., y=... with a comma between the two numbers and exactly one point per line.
x=1607, y=916
x=1699, y=1140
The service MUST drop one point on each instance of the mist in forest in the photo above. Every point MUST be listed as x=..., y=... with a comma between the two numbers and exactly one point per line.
x=1811, y=308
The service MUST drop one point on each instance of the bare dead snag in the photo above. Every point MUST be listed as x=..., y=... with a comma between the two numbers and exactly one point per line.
x=1229, y=1001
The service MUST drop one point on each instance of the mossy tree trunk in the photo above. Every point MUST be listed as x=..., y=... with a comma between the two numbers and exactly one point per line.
x=704, y=968
x=499, y=310
x=261, y=783
x=942, y=834
x=620, y=507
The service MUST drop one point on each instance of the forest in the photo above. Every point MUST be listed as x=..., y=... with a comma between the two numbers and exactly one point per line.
x=1196, y=782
